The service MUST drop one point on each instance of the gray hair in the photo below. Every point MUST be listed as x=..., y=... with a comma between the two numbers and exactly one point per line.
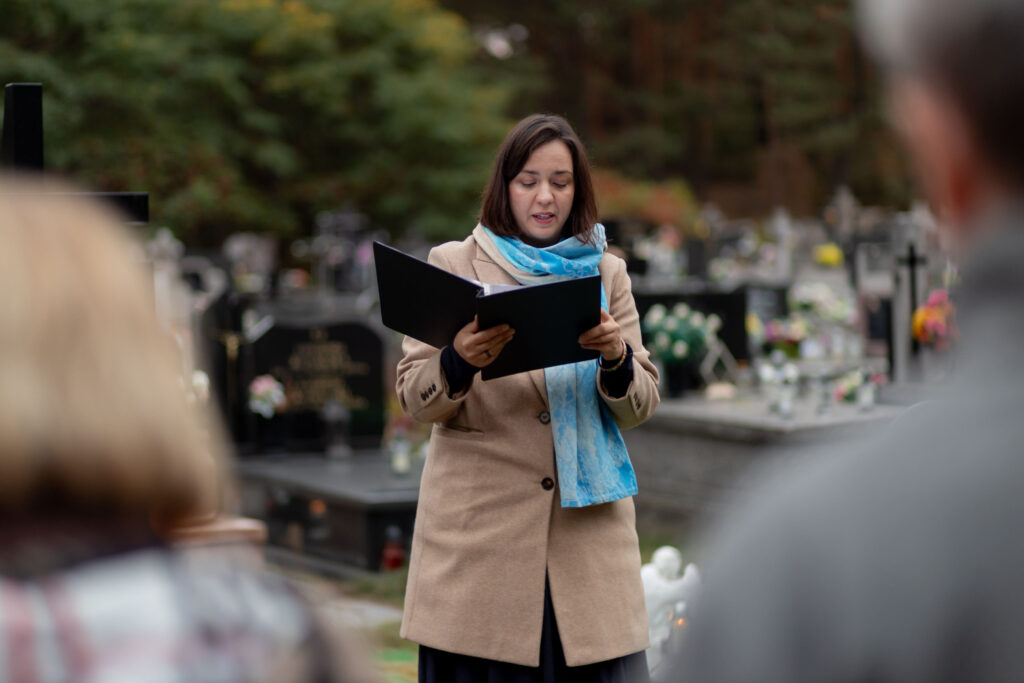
x=972, y=50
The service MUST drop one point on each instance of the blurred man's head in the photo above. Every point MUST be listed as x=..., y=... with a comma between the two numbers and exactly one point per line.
x=956, y=74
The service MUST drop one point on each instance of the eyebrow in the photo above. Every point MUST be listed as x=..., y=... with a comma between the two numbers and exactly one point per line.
x=537, y=173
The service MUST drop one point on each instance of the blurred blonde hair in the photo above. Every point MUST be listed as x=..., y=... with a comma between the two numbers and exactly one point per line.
x=93, y=412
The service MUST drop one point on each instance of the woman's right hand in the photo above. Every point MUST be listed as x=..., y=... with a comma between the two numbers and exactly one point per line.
x=479, y=347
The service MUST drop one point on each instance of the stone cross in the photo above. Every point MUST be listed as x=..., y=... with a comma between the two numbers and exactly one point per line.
x=21, y=145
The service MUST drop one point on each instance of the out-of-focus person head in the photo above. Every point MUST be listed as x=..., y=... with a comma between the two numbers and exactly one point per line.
x=899, y=560
x=93, y=414
x=519, y=197
x=101, y=456
x=955, y=70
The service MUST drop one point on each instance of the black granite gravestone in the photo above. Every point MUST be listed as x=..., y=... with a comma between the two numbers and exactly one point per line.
x=332, y=369
x=331, y=364
x=696, y=258
x=730, y=305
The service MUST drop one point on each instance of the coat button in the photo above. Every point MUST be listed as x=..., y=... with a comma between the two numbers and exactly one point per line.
x=544, y=417
x=548, y=483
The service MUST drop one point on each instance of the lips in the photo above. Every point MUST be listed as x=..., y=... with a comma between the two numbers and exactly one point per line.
x=544, y=217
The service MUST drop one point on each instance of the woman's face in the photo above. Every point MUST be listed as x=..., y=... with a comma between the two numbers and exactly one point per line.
x=541, y=195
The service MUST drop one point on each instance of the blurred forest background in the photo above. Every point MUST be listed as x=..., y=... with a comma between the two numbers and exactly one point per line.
x=255, y=115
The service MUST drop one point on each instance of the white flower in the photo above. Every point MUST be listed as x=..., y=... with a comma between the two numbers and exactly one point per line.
x=790, y=373
x=671, y=323
x=681, y=310
x=266, y=395
x=714, y=323
x=261, y=408
x=655, y=314
x=680, y=349
x=697, y=319
x=662, y=341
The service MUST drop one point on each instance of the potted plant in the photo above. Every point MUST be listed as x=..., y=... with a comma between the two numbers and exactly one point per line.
x=678, y=338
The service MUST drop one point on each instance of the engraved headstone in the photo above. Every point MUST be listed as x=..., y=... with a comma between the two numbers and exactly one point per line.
x=332, y=371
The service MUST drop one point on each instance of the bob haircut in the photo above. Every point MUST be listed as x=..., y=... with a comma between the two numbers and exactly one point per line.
x=527, y=135
x=94, y=419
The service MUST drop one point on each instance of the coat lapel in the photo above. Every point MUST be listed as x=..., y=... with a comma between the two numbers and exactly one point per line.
x=490, y=272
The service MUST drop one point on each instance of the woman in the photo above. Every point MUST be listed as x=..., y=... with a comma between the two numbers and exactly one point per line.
x=525, y=564
x=101, y=458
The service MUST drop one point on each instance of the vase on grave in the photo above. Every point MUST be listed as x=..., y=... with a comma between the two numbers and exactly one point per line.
x=931, y=365
x=680, y=378
x=791, y=349
x=272, y=434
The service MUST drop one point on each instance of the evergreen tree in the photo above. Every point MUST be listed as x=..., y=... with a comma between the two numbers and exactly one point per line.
x=257, y=114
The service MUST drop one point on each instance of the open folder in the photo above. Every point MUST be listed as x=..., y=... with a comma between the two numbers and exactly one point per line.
x=432, y=305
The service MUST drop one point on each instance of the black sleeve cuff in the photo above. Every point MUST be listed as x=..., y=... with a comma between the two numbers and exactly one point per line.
x=616, y=382
x=457, y=371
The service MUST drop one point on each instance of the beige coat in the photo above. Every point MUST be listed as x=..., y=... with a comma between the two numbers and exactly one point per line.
x=487, y=528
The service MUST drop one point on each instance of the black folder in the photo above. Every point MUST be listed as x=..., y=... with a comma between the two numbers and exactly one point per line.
x=430, y=304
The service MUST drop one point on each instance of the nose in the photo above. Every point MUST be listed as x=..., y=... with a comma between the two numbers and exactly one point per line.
x=544, y=196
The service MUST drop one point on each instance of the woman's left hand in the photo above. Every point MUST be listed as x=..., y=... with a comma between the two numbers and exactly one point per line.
x=606, y=337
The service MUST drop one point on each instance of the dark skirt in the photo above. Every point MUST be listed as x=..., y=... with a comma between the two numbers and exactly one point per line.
x=439, y=666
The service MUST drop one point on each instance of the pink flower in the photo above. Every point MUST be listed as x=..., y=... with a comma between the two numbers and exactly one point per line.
x=938, y=298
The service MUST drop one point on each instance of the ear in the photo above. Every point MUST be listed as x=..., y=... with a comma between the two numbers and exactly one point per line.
x=949, y=167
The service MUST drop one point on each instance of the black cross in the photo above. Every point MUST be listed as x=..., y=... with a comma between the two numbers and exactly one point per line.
x=912, y=260
x=21, y=146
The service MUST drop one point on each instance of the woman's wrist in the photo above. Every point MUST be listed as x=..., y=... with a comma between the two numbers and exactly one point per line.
x=457, y=370
x=613, y=364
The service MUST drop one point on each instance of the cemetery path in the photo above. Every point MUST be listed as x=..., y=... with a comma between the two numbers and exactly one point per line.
x=373, y=623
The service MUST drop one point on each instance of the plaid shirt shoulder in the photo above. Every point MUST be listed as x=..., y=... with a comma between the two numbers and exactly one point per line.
x=150, y=616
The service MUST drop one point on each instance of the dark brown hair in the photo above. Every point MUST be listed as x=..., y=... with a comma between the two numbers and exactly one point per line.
x=527, y=135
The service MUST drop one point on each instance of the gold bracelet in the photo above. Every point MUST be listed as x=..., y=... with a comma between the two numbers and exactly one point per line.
x=619, y=362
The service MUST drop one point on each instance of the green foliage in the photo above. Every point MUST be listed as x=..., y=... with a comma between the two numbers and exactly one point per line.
x=257, y=114
x=797, y=63
x=700, y=89
x=386, y=587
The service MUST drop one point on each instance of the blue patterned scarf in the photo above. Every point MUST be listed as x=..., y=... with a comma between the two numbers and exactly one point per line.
x=593, y=465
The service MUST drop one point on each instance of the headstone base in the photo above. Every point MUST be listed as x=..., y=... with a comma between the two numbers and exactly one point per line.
x=338, y=510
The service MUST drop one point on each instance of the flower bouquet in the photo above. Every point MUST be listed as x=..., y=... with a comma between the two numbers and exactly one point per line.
x=679, y=335
x=828, y=254
x=679, y=338
x=934, y=323
x=785, y=334
x=819, y=300
x=266, y=395
x=858, y=387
